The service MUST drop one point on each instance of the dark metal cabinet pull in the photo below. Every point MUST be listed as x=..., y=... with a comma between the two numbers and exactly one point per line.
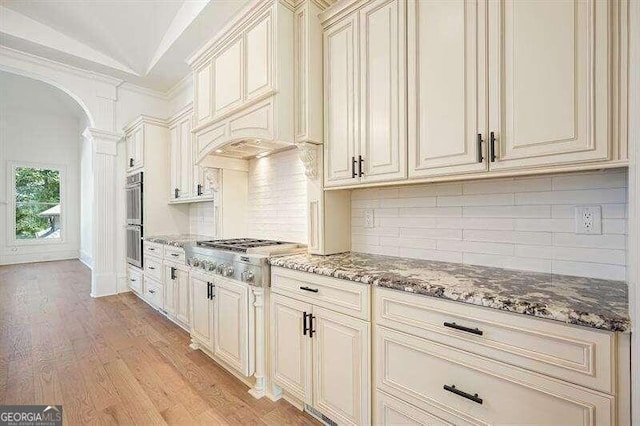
x=360, y=162
x=176, y=193
x=304, y=323
x=151, y=249
x=305, y=288
x=175, y=254
x=463, y=328
x=130, y=162
x=209, y=291
x=453, y=389
x=492, y=147
x=152, y=268
x=199, y=189
x=152, y=291
x=480, y=156
x=353, y=167
x=173, y=273
x=311, y=329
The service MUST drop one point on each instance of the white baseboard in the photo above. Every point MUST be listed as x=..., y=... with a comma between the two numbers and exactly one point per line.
x=50, y=256
x=86, y=259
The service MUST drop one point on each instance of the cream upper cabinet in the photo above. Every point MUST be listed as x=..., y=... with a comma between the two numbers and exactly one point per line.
x=135, y=148
x=340, y=103
x=203, y=88
x=291, y=347
x=341, y=366
x=201, y=310
x=549, y=83
x=259, y=57
x=180, y=147
x=365, y=95
x=230, y=323
x=447, y=91
x=228, y=74
x=383, y=129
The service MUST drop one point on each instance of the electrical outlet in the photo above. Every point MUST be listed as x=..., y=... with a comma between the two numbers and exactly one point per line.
x=588, y=220
x=369, y=221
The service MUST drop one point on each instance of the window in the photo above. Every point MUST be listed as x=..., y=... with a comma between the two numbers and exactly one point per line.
x=37, y=203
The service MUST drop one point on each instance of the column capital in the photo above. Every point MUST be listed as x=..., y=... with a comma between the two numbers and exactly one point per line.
x=105, y=142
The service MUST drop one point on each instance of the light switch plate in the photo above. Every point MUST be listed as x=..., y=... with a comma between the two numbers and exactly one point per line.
x=588, y=220
x=369, y=221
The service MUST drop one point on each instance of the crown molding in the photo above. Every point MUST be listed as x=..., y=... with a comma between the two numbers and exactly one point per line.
x=59, y=66
x=187, y=80
x=183, y=112
x=147, y=119
x=130, y=87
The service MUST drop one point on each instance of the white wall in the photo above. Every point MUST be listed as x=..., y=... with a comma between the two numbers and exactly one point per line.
x=278, y=198
x=39, y=125
x=523, y=223
x=86, y=203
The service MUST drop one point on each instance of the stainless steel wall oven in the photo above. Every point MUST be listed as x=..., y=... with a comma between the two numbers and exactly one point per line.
x=134, y=191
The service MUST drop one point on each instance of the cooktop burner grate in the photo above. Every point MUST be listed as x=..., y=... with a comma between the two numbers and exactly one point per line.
x=239, y=244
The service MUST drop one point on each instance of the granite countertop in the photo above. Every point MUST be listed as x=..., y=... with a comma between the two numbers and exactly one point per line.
x=176, y=240
x=596, y=303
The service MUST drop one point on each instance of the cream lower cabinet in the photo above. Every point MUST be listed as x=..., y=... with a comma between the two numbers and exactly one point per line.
x=365, y=112
x=230, y=324
x=321, y=356
x=440, y=362
x=176, y=292
x=201, y=309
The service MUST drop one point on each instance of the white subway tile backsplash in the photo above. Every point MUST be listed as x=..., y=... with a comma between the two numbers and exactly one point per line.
x=518, y=223
x=278, y=198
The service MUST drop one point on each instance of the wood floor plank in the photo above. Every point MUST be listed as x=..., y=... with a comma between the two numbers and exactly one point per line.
x=112, y=360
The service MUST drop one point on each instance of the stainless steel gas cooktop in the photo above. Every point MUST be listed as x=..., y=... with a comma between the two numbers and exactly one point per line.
x=242, y=259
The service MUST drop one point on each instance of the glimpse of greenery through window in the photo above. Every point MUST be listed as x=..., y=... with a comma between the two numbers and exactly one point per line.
x=37, y=203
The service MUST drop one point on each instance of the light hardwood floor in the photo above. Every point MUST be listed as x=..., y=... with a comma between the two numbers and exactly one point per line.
x=111, y=360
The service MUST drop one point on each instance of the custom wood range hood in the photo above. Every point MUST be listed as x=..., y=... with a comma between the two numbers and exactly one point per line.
x=244, y=84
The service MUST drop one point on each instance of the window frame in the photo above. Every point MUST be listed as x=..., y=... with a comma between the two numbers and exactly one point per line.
x=11, y=222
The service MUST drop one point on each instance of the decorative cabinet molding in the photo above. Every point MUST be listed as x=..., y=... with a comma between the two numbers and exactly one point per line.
x=482, y=111
x=308, y=154
x=244, y=80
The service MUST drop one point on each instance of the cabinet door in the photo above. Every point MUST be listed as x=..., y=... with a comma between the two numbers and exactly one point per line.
x=175, y=163
x=227, y=91
x=130, y=151
x=447, y=90
x=182, y=296
x=341, y=126
x=138, y=147
x=231, y=324
x=209, y=180
x=203, y=79
x=291, y=349
x=185, y=158
x=201, y=312
x=549, y=83
x=170, y=287
x=259, y=54
x=383, y=142
x=341, y=360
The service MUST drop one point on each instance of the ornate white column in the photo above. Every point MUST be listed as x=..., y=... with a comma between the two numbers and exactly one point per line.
x=259, y=388
x=105, y=218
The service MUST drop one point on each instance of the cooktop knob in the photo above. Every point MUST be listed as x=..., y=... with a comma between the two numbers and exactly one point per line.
x=211, y=266
x=195, y=262
x=220, y=269
x=227, y=271
x=247, y=276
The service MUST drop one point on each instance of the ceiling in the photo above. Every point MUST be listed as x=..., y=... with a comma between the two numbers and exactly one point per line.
x=144, y=42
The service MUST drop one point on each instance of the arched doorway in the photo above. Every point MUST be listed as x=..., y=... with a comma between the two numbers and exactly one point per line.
x=46, y=164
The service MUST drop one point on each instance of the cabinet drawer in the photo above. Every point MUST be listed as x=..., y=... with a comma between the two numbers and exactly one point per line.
x=153, y=268
x=134, y=279
x=343, y=296
x=462, y=388
x=154, y=293
x=174, y=254
x=153, y=249
x=390, y=411
x=575, y=354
